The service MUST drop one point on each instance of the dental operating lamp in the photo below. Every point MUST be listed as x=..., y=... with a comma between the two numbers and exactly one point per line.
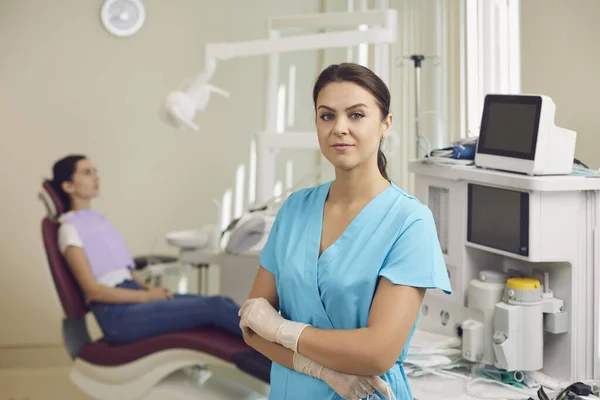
x=180, y=106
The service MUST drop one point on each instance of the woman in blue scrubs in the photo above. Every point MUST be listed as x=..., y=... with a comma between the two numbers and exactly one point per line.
x=347, y=263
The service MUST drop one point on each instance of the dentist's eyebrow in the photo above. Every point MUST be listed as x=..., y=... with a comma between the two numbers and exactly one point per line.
x=349, y=108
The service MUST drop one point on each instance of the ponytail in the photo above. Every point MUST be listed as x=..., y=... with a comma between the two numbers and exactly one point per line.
x=63, y=171
x=382, y=164
x=65, y=199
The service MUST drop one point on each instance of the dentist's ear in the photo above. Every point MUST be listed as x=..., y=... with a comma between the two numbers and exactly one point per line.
x=387, y=123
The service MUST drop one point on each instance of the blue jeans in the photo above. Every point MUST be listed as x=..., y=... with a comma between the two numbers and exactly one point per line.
x=125, y=323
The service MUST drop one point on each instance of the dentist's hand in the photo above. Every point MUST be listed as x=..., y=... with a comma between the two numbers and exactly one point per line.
x=260, y=316
x=350, y=387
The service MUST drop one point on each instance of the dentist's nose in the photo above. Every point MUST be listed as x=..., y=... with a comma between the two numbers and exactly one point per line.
x=340, y=128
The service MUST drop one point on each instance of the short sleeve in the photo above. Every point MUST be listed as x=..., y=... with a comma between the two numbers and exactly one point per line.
x=267, y=257
x=68, y=236
x=416, y=258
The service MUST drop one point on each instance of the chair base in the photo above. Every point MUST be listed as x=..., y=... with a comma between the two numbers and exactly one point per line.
x=164, y=375
x=179, y=387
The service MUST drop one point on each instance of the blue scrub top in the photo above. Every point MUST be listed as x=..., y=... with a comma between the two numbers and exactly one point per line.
x=393, y=236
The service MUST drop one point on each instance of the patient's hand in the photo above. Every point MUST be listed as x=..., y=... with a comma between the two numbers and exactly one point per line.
x=158, y=294
x=167, y=292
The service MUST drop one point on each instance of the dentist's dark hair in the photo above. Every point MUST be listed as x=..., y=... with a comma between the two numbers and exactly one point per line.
x=368, y=80
x=62, y=171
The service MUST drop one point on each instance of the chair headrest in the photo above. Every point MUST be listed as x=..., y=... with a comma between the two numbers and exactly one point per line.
x=57, y=207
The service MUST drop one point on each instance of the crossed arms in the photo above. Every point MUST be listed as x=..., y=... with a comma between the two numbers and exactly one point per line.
x=369, y=351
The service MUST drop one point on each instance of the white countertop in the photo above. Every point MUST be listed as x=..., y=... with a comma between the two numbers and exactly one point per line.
x=526, y=182
x=432, y=387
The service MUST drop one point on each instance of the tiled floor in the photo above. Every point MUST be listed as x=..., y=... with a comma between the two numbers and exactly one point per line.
x=40, y=384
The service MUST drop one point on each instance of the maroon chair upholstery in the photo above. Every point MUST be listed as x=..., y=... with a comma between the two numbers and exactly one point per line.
x=70, y=295
x=211, y=341
x=75, y=333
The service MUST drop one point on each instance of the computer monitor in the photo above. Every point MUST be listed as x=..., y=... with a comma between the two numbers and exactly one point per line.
x=518, y=134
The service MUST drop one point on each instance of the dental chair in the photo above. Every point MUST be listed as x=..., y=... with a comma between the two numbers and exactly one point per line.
x=201, y=364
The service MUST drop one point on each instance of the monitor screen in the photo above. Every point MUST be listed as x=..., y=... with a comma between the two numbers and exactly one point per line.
x=498, y=218
x=509, y=126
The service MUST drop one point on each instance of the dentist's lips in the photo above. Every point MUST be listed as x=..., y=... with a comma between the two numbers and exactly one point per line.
x=342, y=147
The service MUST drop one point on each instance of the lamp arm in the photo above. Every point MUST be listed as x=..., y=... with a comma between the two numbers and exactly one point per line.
x=180, y=107
x=317, y=41
x=210, y=66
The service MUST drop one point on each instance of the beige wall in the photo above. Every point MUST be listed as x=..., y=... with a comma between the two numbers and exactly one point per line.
x=66, y=85
x=560, y=58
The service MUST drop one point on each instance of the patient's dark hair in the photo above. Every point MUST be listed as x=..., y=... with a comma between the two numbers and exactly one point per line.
x=368, y=80
x=63, y=171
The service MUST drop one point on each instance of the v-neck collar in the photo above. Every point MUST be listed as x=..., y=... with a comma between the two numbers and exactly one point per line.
x=348, y=233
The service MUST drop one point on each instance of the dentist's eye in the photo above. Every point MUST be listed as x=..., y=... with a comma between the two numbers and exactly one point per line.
x=356, y=115
x=326, y=117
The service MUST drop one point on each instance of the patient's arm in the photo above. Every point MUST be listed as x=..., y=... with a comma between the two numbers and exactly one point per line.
x=151, y=288
x=95, y=291
x=140, y=281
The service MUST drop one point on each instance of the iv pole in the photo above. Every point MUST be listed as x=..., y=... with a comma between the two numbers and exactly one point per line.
x=417, y=60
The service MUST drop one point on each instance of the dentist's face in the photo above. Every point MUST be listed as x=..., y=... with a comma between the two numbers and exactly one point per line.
x=349, y=125
x=85, y=183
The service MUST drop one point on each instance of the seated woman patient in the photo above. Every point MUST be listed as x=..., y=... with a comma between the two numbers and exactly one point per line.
x=347, y=263
x=125, y=307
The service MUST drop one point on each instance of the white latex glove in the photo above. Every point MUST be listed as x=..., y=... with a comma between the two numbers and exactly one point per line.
x=259, y=316
x=350, y=387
